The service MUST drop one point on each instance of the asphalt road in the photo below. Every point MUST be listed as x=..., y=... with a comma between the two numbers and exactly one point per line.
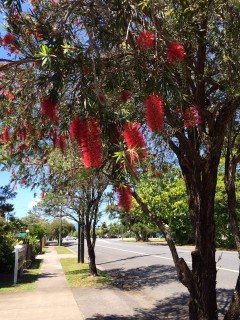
x=148, y=273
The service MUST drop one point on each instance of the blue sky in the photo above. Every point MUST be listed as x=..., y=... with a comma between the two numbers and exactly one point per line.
x=24, y=200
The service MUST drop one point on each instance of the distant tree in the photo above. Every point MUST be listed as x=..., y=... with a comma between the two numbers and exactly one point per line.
x=17, y=225
x=6, y=209
x=7, y=242
x=103, y=228
x=67, y=228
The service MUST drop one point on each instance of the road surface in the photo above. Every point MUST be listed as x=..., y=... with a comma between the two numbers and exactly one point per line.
x=147, y=272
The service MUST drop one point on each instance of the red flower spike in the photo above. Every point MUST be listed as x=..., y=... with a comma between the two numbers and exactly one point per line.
x=5, y=134
x=191, y=117
x=75, y=128
x=48, y=109
x=60, y=141
x=90, y=143
x=42, y=194
x=175, y=52
x=134, y=138
x=154, y=112
x=124, y=197
x=145, y=39
x=23, y=180
x=7, y=39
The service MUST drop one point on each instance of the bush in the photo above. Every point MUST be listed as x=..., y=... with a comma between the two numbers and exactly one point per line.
x=7, y=242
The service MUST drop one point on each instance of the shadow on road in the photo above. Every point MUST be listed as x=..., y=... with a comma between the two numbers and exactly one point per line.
x=134, y=279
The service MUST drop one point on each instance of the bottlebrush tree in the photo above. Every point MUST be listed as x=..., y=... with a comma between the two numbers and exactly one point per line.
x=177, y=63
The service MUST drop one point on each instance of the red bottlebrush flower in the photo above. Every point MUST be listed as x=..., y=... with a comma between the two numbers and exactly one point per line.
x=61, y=143
x=125, y=95
x=10, y=150
x=54, y=137
x=22, y=134
x=90, y=143
x=134, y=138
x=75, y=128
x=154, y=112
x=124, y=197
x=23, y=180
x=175, y=52
x=191, y=117
x=42, y=194
x=5, y=92
x=48, y=109
x=5, y=134
x=145, y=39
x=7, y=39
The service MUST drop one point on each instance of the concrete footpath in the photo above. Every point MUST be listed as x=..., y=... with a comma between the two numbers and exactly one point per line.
x=51, y=300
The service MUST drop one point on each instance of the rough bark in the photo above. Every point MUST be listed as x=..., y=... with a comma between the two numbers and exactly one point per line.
x=201, y=281
x=233, y=312
x=91, y=251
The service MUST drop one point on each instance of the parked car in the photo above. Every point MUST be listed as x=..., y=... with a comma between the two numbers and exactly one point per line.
x=70, y=238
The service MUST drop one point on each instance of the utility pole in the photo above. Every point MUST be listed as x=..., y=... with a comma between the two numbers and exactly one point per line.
x=60, y=229
x=80, y=241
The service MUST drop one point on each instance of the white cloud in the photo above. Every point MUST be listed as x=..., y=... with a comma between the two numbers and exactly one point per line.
x=33, y=203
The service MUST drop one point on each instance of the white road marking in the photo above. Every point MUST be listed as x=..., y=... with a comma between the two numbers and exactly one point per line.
x=161, y=257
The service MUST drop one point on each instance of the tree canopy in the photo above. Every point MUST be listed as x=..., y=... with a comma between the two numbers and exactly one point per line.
x=104, y=79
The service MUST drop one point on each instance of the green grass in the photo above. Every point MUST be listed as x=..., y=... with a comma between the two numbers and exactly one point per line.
x=78, y=275
x=26, y=283
x=62, y=250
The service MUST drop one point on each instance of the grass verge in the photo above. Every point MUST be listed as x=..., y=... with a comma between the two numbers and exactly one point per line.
x=78, y=275
x=62, y=250
x=26, y=283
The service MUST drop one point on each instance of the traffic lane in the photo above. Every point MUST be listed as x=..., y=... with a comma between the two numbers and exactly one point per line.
x=150, y=277
x=153, y=277
x=115, y=257
x=121, y=255
x=225, y=259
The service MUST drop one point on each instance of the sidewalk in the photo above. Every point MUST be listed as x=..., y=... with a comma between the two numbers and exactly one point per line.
x=51, y=300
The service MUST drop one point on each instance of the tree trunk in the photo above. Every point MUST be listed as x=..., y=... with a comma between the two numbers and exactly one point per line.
x=91, y=251
x=233, y=312
x=203, y=305
x=201, y=282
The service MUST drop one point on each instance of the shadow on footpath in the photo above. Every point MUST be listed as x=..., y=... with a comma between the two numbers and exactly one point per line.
x=174, y=307
x=137, y=278
x=171, y=308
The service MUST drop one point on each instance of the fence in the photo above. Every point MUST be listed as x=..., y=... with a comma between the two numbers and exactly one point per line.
x=20, y=260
